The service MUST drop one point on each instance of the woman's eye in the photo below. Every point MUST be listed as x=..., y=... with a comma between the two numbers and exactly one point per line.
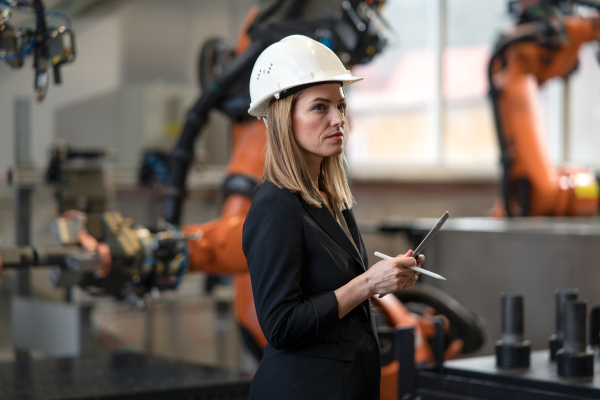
x=319, y=107
x=342, y=107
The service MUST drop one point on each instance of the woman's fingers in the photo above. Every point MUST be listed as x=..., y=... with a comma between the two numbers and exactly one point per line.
x=395, y=274
x=404, y=261
x=420, y=258
x=410, y=281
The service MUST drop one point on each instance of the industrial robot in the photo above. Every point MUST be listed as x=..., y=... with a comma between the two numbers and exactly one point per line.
x=544, y=44
x=51, y=46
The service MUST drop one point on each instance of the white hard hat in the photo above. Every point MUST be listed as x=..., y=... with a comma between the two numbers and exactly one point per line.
x=293, y=61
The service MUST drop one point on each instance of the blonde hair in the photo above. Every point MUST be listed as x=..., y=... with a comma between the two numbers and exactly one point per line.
x=286, y=167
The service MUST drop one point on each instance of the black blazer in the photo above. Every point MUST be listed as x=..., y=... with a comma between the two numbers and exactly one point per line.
x=297, y=256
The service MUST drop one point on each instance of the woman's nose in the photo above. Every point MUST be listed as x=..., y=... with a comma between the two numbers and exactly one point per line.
x=337, y=118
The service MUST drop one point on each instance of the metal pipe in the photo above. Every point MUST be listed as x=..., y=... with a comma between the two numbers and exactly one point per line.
x=23, y=193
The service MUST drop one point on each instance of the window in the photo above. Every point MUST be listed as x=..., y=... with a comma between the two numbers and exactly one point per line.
x=423, y=103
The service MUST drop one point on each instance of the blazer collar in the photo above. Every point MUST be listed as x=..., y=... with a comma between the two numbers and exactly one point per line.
x=327, y=221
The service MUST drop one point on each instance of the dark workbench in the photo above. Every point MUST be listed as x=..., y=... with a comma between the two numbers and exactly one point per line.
x=119, y=376
x=478, y=378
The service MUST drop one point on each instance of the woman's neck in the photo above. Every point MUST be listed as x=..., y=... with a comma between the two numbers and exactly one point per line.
x=313, y=164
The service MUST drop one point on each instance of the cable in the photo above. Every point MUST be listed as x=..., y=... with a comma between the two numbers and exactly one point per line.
x=158, y=168
x=23, y=52
x=60, y=15
x=26, y=50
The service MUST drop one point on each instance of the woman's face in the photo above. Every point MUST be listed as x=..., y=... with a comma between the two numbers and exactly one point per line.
x=318, y=120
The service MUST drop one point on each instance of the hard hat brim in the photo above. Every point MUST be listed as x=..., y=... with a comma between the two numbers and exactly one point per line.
x=259, y=108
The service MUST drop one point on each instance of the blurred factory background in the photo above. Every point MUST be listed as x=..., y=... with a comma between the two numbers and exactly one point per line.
x=456, y=113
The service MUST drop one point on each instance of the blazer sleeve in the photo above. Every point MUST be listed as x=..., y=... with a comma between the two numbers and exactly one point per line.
x=273, y=245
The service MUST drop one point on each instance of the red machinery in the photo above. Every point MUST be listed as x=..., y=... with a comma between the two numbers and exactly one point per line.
x=543, y=45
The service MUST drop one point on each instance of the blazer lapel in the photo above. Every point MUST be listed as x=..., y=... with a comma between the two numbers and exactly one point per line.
x=327, y=221
x=353, y=228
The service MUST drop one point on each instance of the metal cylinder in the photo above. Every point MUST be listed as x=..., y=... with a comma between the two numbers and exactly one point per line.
x=573, y=360
x=595, y=326
x=18, y=257
x=562, y=297
x=512, y=352
x=512, y=318
x=56, y=255
x=575, y=323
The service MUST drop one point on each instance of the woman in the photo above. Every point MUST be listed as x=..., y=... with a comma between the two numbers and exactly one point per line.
x=307, y=260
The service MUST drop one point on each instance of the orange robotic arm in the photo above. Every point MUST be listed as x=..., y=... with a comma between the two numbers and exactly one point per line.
x=219, y=246
x=525, y=60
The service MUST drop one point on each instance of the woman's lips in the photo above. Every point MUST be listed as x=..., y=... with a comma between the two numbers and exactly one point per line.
x=336, y=136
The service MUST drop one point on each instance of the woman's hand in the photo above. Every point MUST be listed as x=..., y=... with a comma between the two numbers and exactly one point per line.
x=388, y=276
x=385, y=277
